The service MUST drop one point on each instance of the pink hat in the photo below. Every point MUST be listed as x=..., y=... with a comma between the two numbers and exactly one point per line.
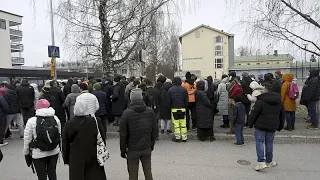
x=42, y=103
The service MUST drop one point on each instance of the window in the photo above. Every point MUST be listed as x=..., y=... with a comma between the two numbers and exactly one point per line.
x=219, y=39
x=267, y=63
x=219, y=63
x=239, y=64
x=219, y=50
x=2, y=24
x=258, y=63
x=248, y=64
x=277, y=63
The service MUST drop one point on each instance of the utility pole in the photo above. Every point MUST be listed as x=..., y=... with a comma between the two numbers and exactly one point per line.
x=52, y=39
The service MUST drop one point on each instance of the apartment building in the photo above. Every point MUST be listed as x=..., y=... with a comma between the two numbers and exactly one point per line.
x=207, y=51
x=11, y=47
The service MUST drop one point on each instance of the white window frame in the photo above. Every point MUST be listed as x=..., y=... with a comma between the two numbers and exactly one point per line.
x=3, y=24
x=218, y=50
x=218, y=38
x=216, y=63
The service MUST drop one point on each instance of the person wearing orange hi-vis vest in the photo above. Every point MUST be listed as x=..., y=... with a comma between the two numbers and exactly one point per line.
x=178, y=100
x=191, y=87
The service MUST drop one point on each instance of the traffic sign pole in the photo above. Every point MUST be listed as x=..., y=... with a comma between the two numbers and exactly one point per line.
x=52, y=39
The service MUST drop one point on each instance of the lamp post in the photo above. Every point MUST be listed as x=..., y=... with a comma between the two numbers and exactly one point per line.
x=52, y=38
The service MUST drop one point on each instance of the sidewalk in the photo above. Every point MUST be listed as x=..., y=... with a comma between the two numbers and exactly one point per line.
x=300, y=135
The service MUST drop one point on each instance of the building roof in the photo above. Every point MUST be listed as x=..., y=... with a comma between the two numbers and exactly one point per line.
x=10, y=13
x=280, y=57
x=208, y=27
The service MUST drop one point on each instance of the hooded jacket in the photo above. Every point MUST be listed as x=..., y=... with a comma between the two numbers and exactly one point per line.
x=178, y=95
x=11, y=98
x=71, y=99
x=138, y=128
x=26, y=95
x=268, y=113
x=30, y=133
x=203, y=107
x=289, y=104
x=86, y=104
x=160, y=81
x=312, y=88
x=102, y=98
x=257, y=90
x=223, y=97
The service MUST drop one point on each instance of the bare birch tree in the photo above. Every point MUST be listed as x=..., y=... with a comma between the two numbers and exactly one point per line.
x=292, y=21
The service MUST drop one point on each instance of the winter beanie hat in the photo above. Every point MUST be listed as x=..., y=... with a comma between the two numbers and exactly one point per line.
x=136, y=94
x=42, y=103
x=97, y=86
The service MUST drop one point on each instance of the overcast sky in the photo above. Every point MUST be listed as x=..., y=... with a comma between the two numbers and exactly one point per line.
x=37, y=37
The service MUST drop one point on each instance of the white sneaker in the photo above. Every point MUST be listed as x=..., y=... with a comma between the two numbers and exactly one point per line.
x=260, y=166
x=272, y=164
x=4, y=144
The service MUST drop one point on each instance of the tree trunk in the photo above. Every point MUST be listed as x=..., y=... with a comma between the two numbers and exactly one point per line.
x=106, y=54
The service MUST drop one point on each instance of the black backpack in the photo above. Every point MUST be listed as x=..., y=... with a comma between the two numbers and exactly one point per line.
x=48, y=136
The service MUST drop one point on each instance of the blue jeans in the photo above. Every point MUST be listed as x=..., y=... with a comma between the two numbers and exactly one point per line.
x=312, y=106
x=290, y=118
x=264, y=137
x=239, y=133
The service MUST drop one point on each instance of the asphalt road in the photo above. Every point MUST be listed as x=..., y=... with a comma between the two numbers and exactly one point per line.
x=189, y=161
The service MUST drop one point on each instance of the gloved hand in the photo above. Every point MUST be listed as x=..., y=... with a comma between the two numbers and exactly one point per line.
x=28, y=160
x=124, y=155
x=152, y=148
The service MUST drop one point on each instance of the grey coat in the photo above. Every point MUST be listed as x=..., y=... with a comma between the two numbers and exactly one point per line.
x=223, y=97
x=71, y=99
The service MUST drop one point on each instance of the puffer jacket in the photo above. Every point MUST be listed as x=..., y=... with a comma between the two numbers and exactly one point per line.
x=25, y=94
x=178, y=95
x=289, y=104
x=268, y=113
x=102, y=98
x=203, y=107
x=4, y=108
x=11, y=98
x=223, y=97
x=165, y=110
x=30, y=134
x=138, y=127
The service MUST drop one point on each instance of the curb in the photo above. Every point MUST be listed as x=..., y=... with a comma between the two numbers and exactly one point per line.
x=280, y=139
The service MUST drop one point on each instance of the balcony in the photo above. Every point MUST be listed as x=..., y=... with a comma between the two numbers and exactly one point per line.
x=14, y=34
x=17, y=61
x=16, y=47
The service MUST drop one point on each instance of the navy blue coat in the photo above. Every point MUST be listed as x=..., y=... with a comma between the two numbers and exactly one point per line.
x=103, y=101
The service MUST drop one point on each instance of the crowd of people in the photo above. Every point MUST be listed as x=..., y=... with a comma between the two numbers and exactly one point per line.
x=79, y=111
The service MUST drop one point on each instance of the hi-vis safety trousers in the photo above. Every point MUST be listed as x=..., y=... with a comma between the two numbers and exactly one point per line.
x=179, y=123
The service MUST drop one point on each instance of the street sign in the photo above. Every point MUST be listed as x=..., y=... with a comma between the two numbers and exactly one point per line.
x=53, y=67
x=54, y=51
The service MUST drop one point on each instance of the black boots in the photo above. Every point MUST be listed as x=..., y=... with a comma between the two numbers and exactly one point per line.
x=225, y=124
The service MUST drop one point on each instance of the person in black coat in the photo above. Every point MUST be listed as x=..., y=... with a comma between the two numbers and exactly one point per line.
x=79, y=147
x=26, y=98
x=11, y=98
x=108, y=89
x=118, y=101
x=204, y=113
x=310, y=96
x=4, y=109
x=165, y=111
x=67, y=87
x=59, y=99
x=102, y=98
x=138, y=131
x=245, y=84
x=160, y=81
